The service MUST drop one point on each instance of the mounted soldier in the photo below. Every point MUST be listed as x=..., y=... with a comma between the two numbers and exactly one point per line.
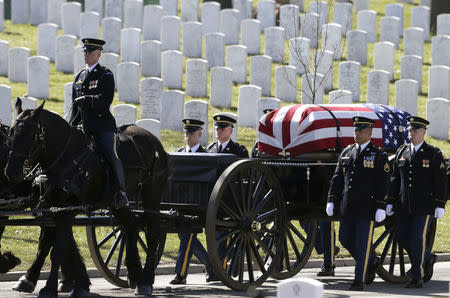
x=92, y=95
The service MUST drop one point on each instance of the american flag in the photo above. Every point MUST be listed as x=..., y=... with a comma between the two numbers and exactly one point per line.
x=306, y=128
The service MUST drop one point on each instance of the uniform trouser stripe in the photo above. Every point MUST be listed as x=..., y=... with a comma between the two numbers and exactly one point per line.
x=332, y=242
x=186, y=255
x=369, y=245
x=225, y=259
x=424, y=240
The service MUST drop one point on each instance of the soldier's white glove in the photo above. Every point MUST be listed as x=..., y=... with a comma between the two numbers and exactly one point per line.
x=389, y=210
x=439, y=212
x=330, y=209
x=380, y=215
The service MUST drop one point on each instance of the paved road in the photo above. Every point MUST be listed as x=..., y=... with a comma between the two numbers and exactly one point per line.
x=334, y=287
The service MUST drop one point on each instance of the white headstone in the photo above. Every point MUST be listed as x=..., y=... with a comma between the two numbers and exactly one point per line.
x=266, y=103
x=151, y=58
x=325, y=67
x=4, y=47
x=274, y=43
x=406, y=95
x=192, y=39
x=440, y=47
x=132, y=13
x=340, y=97
x=286, y=83
x=342, y=15
x=5, y=104
x=237, y=61
x=312, y=88
x=243, y=8
x=2, y=16
x=170, y=33
x=321, y=8
x=151, y=125
x=111, y=32
x=17, y=61
x=361, y=5
x=78, y=59
x=250, y=35
x=420, y=17
x=247, y=108
x=266, y=13
x=331, y=39
x=367, y=21
x=378, y=87
x=215, y=49
x=172, y=109
x=152, y=22
x=71, y=12
x=309, y=28
x=289, y=20
x=54, y=11
x=411, y=68
x=198, y=109
x=172, y=69
x=390, y=30
x=94, y=5
x=67, y=100
x=130, y=45
x=20, y=11
x=357, y=46
x=350, y=78
x=413, y=41
x=443, y=24
x=196, y=77
x=299, y=54
x=170, y=7
x=151, y=92
x=189, y=10
x=261, y=73
x=124, y=114
x=425, y=3
x=47, y=34
x=229, y=25
x=89, y=24
x=384, y=57
x=439, y=82
x=38, y=12
x=128, y=77
x=221, y=87
x=437, y=113
x=395, y=10
x=210, y=17
x=110, y=61
x=114, y=8
x=300, y=287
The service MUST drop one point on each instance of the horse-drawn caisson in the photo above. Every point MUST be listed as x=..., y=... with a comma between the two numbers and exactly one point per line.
x=254, y=210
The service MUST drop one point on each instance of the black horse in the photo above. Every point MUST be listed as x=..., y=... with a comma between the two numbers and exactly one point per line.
x=77, y=176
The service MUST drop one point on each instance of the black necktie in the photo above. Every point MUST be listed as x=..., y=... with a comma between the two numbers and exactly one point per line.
x=190, y=150
x=220, y=148
x=358, y=150
x=413, y=151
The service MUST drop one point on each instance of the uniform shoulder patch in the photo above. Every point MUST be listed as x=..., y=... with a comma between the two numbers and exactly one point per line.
x=387, y=168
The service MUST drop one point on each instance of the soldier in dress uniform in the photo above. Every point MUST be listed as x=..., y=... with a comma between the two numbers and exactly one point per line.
x=224, y=128
x=189, y=244
x=359, y=184
x=92, y=95
x=418, y=190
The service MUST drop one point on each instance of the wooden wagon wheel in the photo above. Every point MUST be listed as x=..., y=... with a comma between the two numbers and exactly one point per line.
x=107, y=249
x=246, y=216
x=298, y=241
x=393, y=257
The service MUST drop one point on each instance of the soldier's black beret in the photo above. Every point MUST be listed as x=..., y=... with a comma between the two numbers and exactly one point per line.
x=362, y=122
x=415, y=122
x=92, y=44
x=192, y=125
x=223, y=120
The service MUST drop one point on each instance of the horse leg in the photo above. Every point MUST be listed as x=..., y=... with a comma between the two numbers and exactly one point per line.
x=152, y=236
x=7, y=260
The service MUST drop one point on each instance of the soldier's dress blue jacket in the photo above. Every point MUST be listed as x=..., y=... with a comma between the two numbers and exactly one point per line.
x=418, y=185
x=232, y=147
x=359, y=186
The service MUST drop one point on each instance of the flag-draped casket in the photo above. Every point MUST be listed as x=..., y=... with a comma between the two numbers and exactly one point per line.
x=306, y=128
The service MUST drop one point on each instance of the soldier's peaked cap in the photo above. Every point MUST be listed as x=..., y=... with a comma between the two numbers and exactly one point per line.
x=92, y=44
x=362, y=122
x=192, y=125
x=223, y=120
x=415, y=122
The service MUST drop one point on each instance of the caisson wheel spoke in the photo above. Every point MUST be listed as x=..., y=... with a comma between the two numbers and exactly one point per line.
x=386, y=248
x=243, y=190
x=229, y=211
x=119, y=257
x=268, y=216
x=393, y=256
x=257, y=256
x=263, y=202
x=234, y=258
x=382, y=237
x=264, y=246
x=249, y=196
x=226, y=236
x=235, y=199
x=298, y=233
x=248, y=252
x=113, y=248
x=107, y=237
x=258, y=189
x=142, y=243
x=401, y=258
x=293, y=244
x=241, y=261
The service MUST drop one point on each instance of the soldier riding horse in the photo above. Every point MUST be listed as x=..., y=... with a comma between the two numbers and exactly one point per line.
x=76, y=176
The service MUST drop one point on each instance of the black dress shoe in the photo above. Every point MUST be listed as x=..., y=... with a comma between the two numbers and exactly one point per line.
x=372, y=269
x=429, y=268
x=414, y=284
x=356, y=286
x=326, y=271
x=178, y=280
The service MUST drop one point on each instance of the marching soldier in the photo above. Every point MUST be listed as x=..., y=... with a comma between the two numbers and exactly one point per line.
x=418, y=190
x=189, y=244
x=224, y=128
x=92, y=95
x=359, y=184
x=326, y=245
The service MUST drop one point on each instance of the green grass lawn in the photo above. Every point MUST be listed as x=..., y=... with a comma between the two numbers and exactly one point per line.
x=23, y=240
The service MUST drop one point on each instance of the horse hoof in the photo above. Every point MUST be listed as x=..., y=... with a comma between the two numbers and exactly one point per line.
x=65, y=286
x=24, y=285
x=131, y=282
x=79, y=293
x=143, y=290
x=46, y=293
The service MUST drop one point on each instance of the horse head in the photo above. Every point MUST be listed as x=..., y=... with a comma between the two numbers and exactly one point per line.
x=24, y=141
